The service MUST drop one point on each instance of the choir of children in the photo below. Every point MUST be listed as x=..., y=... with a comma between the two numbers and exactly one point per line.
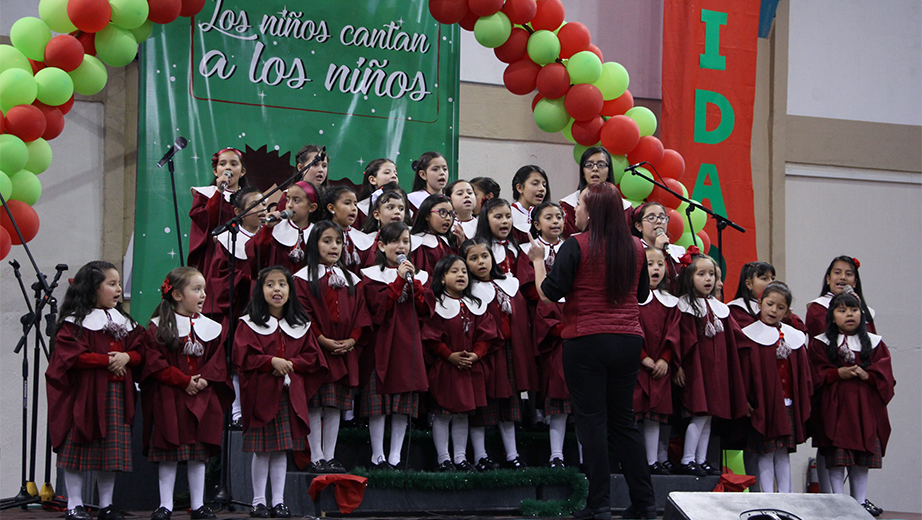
x=442, y=318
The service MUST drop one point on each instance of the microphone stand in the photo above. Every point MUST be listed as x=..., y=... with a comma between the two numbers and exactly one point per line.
x=722, y=221
x=182, y=257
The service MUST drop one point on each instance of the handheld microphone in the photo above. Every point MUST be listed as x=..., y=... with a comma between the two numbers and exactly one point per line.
x=660, y=232
x=177, y=145
x=228, y=174
x=401, y=258
x=633, y=167
x=284, y=214
x=848, y=289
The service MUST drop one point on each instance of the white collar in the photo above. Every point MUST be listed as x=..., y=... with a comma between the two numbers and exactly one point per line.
x=742, y=304
x=206, y=329
x=273, y=324
x=364, y=205
x=626, y=204
x=321, y=270
x=572, y=199
x=499, y=250
x=389, y=274
x=362, y=241
x=547, y=247
x=425, y=239
x=97, y=320
x=648, y=300
x=242, y=237
x=209, y=191
x=719, y=308
x=675, y=252
x=470, y=227
x=853, y=342
x=826, y=298
x=665, y=298
x=448, y=307
x=521, y=217
x=416, y=198
x=767, y=335
x=509, y=284
x=286, y=233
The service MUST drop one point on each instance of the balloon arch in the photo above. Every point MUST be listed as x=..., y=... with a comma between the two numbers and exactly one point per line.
x=578, y=93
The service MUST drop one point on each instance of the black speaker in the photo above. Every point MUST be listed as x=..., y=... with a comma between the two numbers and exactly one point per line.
x=762, y=506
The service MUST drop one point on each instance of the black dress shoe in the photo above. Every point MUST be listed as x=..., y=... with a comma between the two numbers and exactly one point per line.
x=465, y=465
x=161, y=513
x=236, y=425
x=485, y=464
x=383, y=465
x=202, y=513
x=601, y=513
x=77, y=513
x=556, y=463
x=657, y=468
x=636, y=512
x=318, y=466
x=334, y=466
x=446, y=467
x=692, y=468
x=670, y=467
x=259, y=511
x=871, y=508
x=281, y=511
x=712, y=471
x=515, y=463
x=109, y=513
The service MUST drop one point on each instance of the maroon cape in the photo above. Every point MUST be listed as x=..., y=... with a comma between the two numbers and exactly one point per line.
x=217, y=306
x=264, y=250
x=424, y=257
x=260, y=391
x=661, y=339
x=171, y=416
x=816, y=318
x=207, y=213
x=518, y=335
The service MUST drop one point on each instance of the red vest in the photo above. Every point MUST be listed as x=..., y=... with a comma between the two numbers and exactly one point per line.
x=587, y=309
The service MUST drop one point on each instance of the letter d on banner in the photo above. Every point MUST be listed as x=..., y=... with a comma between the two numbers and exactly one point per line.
x=727, y=117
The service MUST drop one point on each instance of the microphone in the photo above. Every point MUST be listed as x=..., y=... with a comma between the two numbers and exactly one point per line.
x=284, y=214
x=633, y=167
x=177, y=145
x=401, y=258
x=660, y=232
x=848, y=289
x=228, y=174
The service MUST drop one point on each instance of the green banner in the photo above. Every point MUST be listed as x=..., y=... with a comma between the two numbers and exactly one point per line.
x=366, y=79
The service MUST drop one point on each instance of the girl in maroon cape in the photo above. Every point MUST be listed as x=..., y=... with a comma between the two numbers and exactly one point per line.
x=485, y=189
x=331, y=296
x=852, y=367
x=650, y=223
x=462, y=198
x=659, y=318
x=185, y=389
x=495, y=226
x=90, y=386
x=281, y=241
x=430, y=177
x=339, y=206
x=211, y=205
x=529, y=188
x=389, y=205
x=457, y=338
x=399, y=370
x=280, y=368
x=744, y=308
x=378, y=173
x=776, y=371
x=512, y=368
x=434, y=235
x=708, y=365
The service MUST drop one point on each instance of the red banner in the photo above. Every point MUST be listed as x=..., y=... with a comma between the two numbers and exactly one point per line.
x=709, y=76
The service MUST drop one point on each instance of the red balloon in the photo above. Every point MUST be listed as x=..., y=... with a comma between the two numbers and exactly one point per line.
x=676, y=225
x=89, y=15
x=448, y=12
x=583, y=102
x=5, y=243
x=620, y=135
x=25, y=122
x=163, y=11
x=520, y=11
x=469, y=21
x=3, y=125
x=587, y=133
x=25, y=218
x=703, y=236
x=553, y=80
x=515, y=48
x=664, y=197
x=672, y=165
x=574, y=37
x=64, y=52
x=619, y=105
x=549, y=15
x=520, y=77
x=191, y=7
x=88, y=40
x=54, y=123
x=596, y=50
x=36, y=66
x=485, y=7
x=534, y=102
x=648, y=149
x=65, y=108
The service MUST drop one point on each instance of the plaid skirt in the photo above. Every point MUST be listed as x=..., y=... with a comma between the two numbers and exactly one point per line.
x=842, y=457
x=554, y=406
x=183, y=453
x=757, y=443
x=276, y=434
x=497, y=411
x=332, y=395
x=373, y=404
x=110, y=454
x=653, y=416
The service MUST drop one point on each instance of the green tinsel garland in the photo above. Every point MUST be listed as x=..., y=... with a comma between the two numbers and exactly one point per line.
x=502, y=478
x=524, y=438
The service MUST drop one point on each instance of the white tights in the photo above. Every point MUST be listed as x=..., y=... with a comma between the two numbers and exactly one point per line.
x=775, y=467
x=697, y=437
x=271, y=466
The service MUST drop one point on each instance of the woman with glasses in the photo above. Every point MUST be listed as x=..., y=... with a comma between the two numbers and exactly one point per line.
x=594, y=167
x=650, y=225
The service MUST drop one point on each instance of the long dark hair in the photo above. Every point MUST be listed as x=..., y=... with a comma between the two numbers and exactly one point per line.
x=442, y=267
x=496, y=273
x=258, y=309
x=242, y=181
x=422, y=164
x=389, y=191
x=167, y=333
x=483, y=221
x=312, y=258
x=389, y=233
x=487, y=185
x=663, y=284
x=748, y=272
x=371, y=171
x=832, y=330
x=421, y=223
x=81, y=296
x=522, y=175
x=687, y=283
x=331, y=194
x=638, y=214
x=610, y=240
x=865, y=310
x=536, y=214
x=585, y=157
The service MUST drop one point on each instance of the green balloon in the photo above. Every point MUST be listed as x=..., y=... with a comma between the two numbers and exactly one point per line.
x=614, y=80
x=618, y=164
x=26, y=187
x=12, y=58
x=6, y=187
x=13, y=153
x=39, y=156
x=143, y=32
x=90, y=77
x=492, y=31
x=551, y=116
x=116, y=46
x=635, y=203
x=54, y=13
x=129, y=14
x=543, y=47
x=30, y=35
x=568, y=131
x=644, y=118
x=686, y=240
x=578, y=152
x=635, y=187
x=54, y=86
x=17, y=87
x=698, y=217
x=584, y=67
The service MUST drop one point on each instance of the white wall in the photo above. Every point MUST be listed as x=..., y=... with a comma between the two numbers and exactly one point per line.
x=858, y=60
x=876, y=217
x=501, y=159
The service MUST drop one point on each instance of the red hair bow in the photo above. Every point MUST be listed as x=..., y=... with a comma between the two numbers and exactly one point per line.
x=166, y=287
x=690, y=253
x=857, y=263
